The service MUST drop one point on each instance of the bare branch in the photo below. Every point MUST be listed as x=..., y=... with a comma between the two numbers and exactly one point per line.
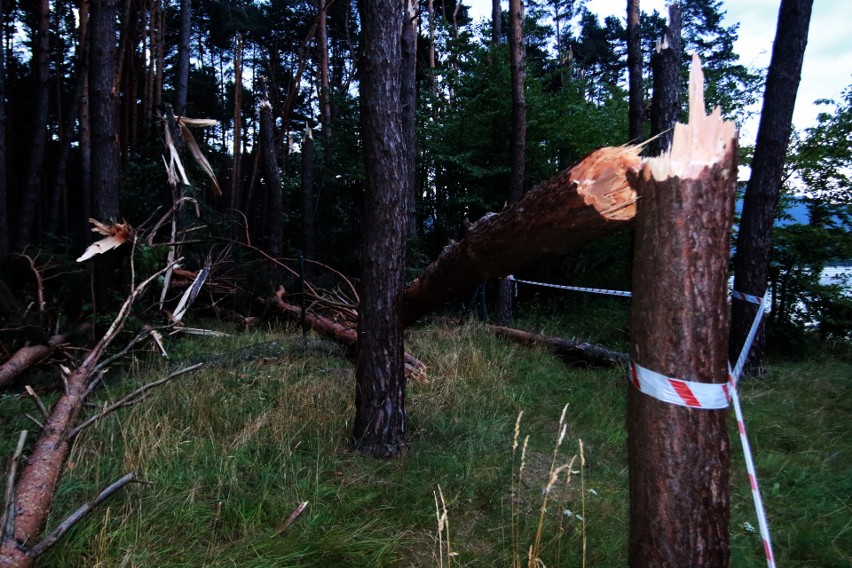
x=8, y=516
x=77, y=515
x=129, y=399
x=38, y=402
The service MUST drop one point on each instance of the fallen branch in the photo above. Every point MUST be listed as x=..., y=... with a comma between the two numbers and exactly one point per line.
x=35, y=488
x=415, y=370
x=571, y=350
x=77, y=515
x=573, y=208
x=8, y=516
x=292, y=518
x=27, y=357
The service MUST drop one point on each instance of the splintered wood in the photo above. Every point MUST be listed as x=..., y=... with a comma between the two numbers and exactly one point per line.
x=576, y=206
x=699, y=144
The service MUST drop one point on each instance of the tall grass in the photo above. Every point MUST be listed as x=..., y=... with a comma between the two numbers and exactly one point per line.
x=234, y=449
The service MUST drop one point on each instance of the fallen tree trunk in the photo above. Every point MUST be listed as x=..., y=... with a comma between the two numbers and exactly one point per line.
x=569, y=349
x=575, y=207
x=34, y=489
x=27, y=357
x=415, y=370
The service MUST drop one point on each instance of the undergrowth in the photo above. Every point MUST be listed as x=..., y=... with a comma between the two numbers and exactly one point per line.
x=233, y=449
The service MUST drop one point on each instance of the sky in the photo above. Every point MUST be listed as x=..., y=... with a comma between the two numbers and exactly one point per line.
x=827, y=67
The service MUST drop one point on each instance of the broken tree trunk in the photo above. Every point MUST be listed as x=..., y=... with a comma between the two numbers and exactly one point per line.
x=33, y=491
x=679, y=454
x=26, y=357
x=577, y=206
x=570, y=350
x=415, y=370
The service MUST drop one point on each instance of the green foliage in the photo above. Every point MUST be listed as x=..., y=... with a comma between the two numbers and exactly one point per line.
x=820, y=163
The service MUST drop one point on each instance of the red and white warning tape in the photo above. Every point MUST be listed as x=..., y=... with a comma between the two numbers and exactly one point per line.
x=762, y=520
x=746, y=297
x=574, y=288
x=710, y=396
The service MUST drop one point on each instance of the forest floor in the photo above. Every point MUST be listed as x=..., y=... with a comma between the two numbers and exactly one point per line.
x=233, y=449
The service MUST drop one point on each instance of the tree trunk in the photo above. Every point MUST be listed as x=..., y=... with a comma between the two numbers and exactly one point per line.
x=309, y=236
x=182, y=80
x=322, y=63
x=415, y=370
x=272, y=178
x=105, y=154
x=754, y=240
x=409, y=107
x=496, y=21
x=666, y=67
x=634, y=71
x=236, y=197
x=4, y=213
x=379, y=428
x=570, y=350
x=81, y=70
x=519, y=134
x=679, y=455
x=575, y=207
x=40, y=73
x=26, y=357
x=82, y=232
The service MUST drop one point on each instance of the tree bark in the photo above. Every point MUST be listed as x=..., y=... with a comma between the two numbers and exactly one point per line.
x=4, y=212
x=570, y=350
x=379, y=428
x=236, y=194
x=666, y=68
x=40, y=73
x=103, y=106
x=679, y=456
x=182, y=85
x=496, y=21
x=415, y=370
x=409, y=108
x=634, y=72
x=81, y=70
x=26, y=357
x=754, y=240
x=309, y=235
x=575, y=207
x=519, y=134
x=322, y=63
x=272, y=179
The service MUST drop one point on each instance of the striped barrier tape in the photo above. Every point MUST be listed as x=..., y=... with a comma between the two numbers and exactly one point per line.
x=752, y=332
x=574, y=288
x=746, y=297
x=762, y=520
x=693, y=394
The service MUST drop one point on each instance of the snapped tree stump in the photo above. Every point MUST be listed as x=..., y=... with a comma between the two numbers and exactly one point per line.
x=679, y=456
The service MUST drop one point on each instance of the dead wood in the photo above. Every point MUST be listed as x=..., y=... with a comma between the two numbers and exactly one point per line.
x=27, y=357
x=34, y=489
x=570, y=350
x=415, y=370
x=575, y=207
x=81, y=512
